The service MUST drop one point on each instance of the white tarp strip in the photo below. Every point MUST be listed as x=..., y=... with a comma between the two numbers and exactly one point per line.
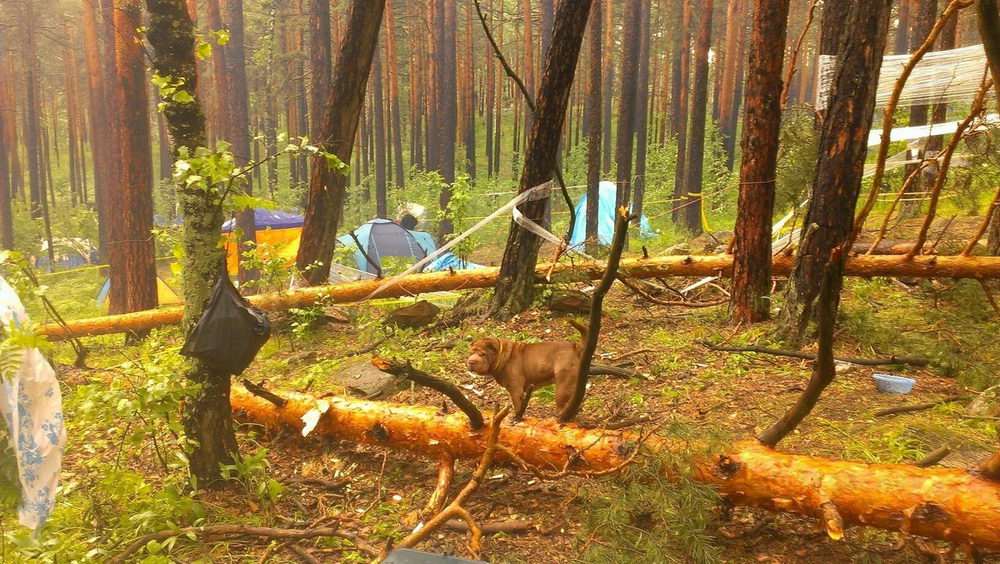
x=954, y=75
x=31, y=404
x=924, y=131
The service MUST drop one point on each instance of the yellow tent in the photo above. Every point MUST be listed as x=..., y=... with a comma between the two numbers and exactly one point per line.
x=165, y=295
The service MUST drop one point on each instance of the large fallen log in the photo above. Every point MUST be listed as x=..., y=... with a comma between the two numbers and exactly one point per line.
x=654, y=267
x=947, y=504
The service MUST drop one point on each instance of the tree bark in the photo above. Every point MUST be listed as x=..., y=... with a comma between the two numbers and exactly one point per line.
x=207, y=421
x=625, y=135
x=32, y=125
x=609, y=82
x=320, y=64
x=447, y=111
x=378, y=107
x=901, y=43
x=6, y=148
x=641, y=112
x=931, y=266
x=679, y=105
x=593, y=109
x=515, y=286
x=729, y=103
x=843, y=145
x=469, y=94
x=394, y=98
x=132, y=266
x=327, y=188
x=750, y=301
x=962, y=508
x=694, y=164
x=924, y=14
x=988, y=21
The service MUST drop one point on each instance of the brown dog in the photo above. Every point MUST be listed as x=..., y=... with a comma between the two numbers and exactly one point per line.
x=523, y=367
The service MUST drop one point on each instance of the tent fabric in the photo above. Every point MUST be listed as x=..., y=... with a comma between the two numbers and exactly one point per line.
x=165, y=295
x=450, y=261
x=384, y=238
x=605, y=217
x=273, y=243
x=269, y=218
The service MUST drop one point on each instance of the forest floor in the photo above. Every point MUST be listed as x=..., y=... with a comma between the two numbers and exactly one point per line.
x=120, y=483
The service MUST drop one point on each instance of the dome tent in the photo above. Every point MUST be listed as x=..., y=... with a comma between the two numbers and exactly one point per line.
x=605, y=217
x=277, y=230
x=384, y=238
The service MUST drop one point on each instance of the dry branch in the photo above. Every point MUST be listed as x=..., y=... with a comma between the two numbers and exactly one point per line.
x=933, y=457
x=918, y=407
x=407, y=371
x=216, y=531
x=622, y=220
x=657, y=267
x=910, y=360
x=949, y=504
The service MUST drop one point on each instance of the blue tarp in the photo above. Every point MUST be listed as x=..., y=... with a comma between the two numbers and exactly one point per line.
x=382, y=237
x=269, y=218
x=605, y=217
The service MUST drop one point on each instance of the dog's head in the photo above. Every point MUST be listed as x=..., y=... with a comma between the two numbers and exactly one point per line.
x=483, y=354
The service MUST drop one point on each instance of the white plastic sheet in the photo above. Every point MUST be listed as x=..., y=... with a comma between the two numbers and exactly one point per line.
x=31, y=404
x=954, y=75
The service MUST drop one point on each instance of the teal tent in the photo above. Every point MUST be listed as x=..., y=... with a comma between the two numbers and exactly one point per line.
x=605, y=217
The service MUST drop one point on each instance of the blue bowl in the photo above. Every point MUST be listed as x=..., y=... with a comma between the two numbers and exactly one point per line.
x=893, y=384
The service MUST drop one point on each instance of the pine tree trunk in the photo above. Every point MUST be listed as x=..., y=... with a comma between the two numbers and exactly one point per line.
x=394, y=98
x=728, y=102
x=6, y=148
x=498, y=121
x=132, y=266
x=608, y=83
x=642, y=111
x=327, y=188
x=843, y=145
x=695, y=161
x=593, y=108
x=901, y=44
x=528, y=63
x=750, y=301
x=96, y=106
x=207, y=420
x=946, y=41
x=490, y=91
x=679, y=107
x=515, y=285
x=923, y=14
x=469, y=92
x=32, y=125
x=320, y=64
x=378, y=107
x=625, y=135
x=447, y=112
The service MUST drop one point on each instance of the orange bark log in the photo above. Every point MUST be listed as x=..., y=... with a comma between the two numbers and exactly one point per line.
x=950, y=504
x=657, y=267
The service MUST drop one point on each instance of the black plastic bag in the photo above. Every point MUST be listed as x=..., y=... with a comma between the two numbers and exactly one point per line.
x=229, y=333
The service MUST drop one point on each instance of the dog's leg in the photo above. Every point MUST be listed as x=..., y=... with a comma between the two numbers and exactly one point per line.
x=521, y=405
x=565, y=385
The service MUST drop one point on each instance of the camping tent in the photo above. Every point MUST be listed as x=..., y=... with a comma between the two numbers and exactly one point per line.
x=165, y=295
x=70, y=252
x=605, y=217
x=384, y=238
x=277, y=232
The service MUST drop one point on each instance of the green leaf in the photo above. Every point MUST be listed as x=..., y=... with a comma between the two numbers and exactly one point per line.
x=246, y=202
x=182, y=97
x=221, y=36
x=203, y=50
x=153, y=547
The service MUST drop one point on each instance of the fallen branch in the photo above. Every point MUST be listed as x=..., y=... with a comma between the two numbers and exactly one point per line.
x=507, y=527
x=259, y=391
x=918, y=407
x=943, y=503
x=215, y=531
x=910, y=360
x=455, y=508
x=823, y=371
x=657, y=267
x=614, y=371
x=660, y=301
x=407, y=371
x=622, y=220
x=933, y=457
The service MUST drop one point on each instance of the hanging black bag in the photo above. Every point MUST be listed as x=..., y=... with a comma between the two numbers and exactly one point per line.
x=230, y=331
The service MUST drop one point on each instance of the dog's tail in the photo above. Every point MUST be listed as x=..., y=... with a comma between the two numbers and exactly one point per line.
x=584, y=332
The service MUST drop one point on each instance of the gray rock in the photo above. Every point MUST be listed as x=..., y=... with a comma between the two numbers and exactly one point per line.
x=364, y=380
x=417, y=315
x=986, y=403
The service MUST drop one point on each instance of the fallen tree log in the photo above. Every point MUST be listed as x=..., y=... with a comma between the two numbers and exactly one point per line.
x=654, y=267
x=948, y=504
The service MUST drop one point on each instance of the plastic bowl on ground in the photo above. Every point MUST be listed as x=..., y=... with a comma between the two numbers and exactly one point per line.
x=893, y=384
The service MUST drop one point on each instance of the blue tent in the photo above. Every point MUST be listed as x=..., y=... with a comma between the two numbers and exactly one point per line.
x=269, y=218
x=384, y=238
x=605, y=217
